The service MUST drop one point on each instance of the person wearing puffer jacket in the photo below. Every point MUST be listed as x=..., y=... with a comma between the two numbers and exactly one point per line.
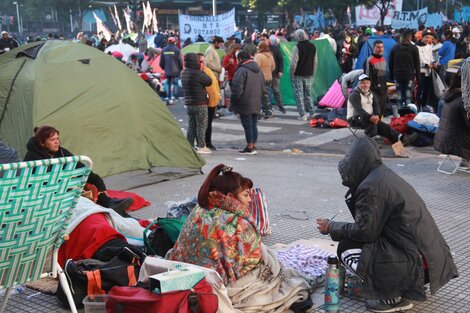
x=194, y=82
x=247, y=94
x=265, y=60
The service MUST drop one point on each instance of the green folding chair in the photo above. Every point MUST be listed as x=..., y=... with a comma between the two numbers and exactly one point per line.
x=37, y=200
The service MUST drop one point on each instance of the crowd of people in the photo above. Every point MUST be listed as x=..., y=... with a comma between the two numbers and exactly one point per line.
x=393, y=245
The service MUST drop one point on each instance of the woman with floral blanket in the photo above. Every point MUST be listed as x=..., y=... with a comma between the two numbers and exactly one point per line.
x=220, y=232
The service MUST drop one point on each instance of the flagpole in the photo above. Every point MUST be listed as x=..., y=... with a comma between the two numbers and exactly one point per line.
x=214, y=8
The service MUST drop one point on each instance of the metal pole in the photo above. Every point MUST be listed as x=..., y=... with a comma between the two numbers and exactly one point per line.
x=447, y=4
x=18, y=17
x=214, y=8
x=71, y=21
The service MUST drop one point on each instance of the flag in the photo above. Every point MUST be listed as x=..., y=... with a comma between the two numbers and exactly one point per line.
x=100, y=27
x=148, y=15
x=112, y=15
x=117, y=18
x=127, y=17
x=154, y=20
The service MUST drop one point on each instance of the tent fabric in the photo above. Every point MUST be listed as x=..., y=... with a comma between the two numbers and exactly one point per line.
x=328, y=70
x=201, y=47
x=367, y=50
x=102, y=109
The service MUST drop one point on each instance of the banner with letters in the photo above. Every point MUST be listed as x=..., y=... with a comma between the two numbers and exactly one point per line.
x=462, y=15
x=409, y=19
x=365, y=16
x=222, y=25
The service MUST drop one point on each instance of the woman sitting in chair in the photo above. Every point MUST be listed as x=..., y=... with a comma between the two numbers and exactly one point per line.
x=45, y=144
x=220, y=234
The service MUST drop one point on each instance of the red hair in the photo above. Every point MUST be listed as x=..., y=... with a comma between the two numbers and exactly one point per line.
x=42, y=133
x=223, y=180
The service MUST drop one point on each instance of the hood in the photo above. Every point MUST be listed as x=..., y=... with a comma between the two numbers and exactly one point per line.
x=251, y=65
x=33, y=147
x=300, y=35
x=191, y=61
x=452, y=94
x=404, y=46
x=360, y=160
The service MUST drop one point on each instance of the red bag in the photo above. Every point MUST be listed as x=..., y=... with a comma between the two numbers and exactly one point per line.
x=338, y=123
x=400, y=123
x=139, y=300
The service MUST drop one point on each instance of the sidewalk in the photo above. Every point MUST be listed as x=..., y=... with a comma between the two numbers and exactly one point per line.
x=301, y=187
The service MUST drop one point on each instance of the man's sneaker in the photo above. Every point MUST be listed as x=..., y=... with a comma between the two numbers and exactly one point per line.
x=211, y=147
x=380, y=307
x=204, y=150
x=464, y=165
x=281, y=108
x=406, y=140
x=302, y=118
x=248, y=151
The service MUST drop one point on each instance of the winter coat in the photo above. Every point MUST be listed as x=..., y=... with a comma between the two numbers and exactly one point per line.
x=229, y=68
x=9, y=43
x=403, y=62
x=266, y=64
x=170, y=61
x=213, y=60
x=363, y=105
x=8, y=154
x=247, y=89
x=213, y=91
x=194, y=81
x=395, y=227
x=278, y=60
x=447, y=52
x=453, y=135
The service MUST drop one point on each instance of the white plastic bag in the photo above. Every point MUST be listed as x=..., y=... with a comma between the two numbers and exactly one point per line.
x=427, y=119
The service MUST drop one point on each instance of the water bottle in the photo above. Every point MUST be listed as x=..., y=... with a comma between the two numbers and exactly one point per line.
x=332, y=286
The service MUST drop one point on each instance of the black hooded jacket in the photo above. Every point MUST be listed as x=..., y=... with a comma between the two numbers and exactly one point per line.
x=404, y=62
x=395, y=227
x=247, y=88
x=194, y=81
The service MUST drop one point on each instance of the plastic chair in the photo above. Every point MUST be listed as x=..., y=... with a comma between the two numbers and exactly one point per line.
x=452, y=164
x=37, y=200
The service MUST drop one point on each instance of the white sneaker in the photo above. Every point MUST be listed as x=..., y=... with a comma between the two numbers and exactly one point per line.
x=302, y=118
x=204, y=150
x=171, y=102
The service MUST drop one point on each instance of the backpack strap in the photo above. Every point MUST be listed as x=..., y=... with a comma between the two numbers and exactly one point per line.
x=94, y=283
x=147, y=244
x=193, y=302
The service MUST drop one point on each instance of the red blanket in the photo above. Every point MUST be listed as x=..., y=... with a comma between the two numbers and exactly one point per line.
x=137, y=203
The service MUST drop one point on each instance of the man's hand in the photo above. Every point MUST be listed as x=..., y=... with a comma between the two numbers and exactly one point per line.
x=374, y=119
x=323, y=226
x=279, y=75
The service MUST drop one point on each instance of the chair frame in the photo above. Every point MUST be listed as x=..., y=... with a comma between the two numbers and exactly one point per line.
x=37, y=200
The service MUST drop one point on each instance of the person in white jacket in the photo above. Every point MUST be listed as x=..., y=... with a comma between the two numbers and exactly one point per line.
x=427, y=64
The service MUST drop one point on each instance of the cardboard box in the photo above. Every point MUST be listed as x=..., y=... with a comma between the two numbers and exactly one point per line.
x=183, y=278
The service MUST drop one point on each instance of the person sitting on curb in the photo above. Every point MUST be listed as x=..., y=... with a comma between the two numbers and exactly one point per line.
x=45, y=144
x=364, y=112
x=394, y=245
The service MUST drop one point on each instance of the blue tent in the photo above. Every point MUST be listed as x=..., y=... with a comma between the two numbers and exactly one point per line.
x=367, y=50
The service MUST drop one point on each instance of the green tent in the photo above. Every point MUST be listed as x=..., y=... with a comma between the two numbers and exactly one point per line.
x=328, y=70
x=101, y=108
x=201, y=47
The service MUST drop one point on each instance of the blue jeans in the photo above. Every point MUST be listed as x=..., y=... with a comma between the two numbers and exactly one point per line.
x=249, y=125
x=404, y=90
x=171, y=81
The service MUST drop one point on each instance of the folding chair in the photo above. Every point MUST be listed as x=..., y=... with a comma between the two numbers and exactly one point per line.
x=442, y=168
x=354, y=133
x=37, y=200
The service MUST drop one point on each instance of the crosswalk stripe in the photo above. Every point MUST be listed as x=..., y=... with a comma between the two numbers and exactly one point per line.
x=233, y=126
x=326, y=137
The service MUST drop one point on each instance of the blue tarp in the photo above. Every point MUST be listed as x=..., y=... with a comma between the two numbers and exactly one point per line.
x=367, y=50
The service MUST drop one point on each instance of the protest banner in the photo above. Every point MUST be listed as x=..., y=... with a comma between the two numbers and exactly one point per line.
x=462, y=15
x=434, y=20
x=409, y=19
x=222, y=25
x=365, y=16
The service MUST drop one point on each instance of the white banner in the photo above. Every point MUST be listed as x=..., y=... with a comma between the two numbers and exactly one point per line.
x=222, y=25
x=409, y=19
x=366, y=16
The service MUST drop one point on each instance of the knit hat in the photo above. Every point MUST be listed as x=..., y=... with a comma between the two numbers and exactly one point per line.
x=368, y=32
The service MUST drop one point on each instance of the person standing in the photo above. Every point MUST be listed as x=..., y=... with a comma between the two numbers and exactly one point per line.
x=247, y=95
x=213, y=94
x=446, y=53
x=172, y=64
x=264, y=59
x=302, y=72
x=194, y=83
x=212, y=57
x=7, y=43
x=427, y=63
x=273, y=43
x=404, y=68
x=376, y=69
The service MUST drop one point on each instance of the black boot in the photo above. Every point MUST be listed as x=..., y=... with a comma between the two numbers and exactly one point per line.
x=118, y=205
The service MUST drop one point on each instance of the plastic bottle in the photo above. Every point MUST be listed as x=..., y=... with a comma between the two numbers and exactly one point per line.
x=332, y=286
